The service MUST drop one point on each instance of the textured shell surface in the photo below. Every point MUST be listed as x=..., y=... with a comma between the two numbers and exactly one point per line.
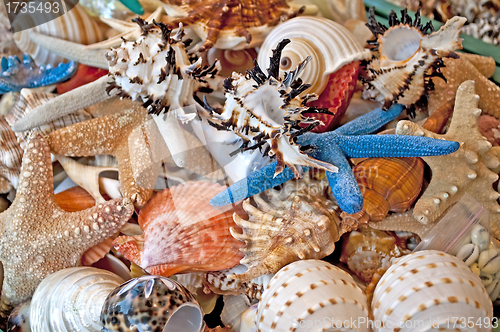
x=76, y=26
x=266, y=110
x=406, y=56
x=157, y=70
x=71, y=300
x=310, y=290
x=151, y=303
x=432, y=288
x=183, y=232
x=296, y=222
x=331, y=49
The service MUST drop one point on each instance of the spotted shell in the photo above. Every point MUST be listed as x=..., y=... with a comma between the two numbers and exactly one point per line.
x=266, y=111
x=285, y=226
x=387, y=184
x=157, y=70
x=76, y=26
x=367, y=250
x=151, y=303
x=430, y=288
x=406, y=56
x=331, y=49
x=183, y=233
x=307, y=291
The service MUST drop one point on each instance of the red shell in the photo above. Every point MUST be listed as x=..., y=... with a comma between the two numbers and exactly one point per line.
x=84, y=74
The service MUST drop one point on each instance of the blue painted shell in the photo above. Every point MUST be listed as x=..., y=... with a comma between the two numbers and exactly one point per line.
x=16, y=74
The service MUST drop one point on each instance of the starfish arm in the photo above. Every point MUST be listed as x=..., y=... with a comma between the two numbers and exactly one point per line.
x=254, y=184
x=65, y=104
x=404, y=222
x=72, y=51
x=394, y=146
x=371, y=121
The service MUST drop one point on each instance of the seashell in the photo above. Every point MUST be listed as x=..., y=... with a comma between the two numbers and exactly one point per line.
x=76, y=26
x=469, y=253
x=10, y=158
x=232, y=60
x=406, y=56
x=151, y=303
x=489, y=261
x=182, y=232
x=430, y=288
x=71, y=300
x=311, y=290
x=248, y=319
x=481, y=237
x=387, y=184
x=331, y=49
x=74, y=199
x=234, y=307
x=219, y=283
x=19, y=318
x=367, y=250
x=194, y=283
x=285, y=226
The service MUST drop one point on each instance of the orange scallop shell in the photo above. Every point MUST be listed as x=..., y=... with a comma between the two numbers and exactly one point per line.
x=184, y=233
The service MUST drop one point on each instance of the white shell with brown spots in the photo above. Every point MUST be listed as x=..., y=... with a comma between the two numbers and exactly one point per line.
x=431, y=289
x=307, y=291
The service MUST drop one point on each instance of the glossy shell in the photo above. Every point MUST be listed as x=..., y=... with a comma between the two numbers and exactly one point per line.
x=430, y=288
x=182, y=232
x=311, y=290
x=71, y=300
x=151, y=303
x=76, y=26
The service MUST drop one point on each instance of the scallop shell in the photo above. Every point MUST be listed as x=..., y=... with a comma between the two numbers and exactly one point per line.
x=11, y=155
x=71, y=300
x=367, y=249
x=151, y=303
x=308, y=291
x=285, y=226
x=182, y=232
x=387, y=184
x=428, y=289
x=331, y=49
x=406, y=57
x=76, y=26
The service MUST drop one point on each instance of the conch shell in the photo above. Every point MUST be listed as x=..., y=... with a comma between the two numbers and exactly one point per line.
x=406, y=57
x=183, y=233
x=285, y=226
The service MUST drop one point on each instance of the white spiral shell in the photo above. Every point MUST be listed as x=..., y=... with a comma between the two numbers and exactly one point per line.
x=310, y=290
x=71, y=300
x=76, y=26
x=330, y=44
x=427, y=290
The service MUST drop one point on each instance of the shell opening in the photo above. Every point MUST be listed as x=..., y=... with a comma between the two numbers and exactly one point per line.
x=285, y=63
x=400, y=44
x=187, y=318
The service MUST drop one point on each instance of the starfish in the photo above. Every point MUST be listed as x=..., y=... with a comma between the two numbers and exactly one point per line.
x=467, y=170
x=405, y=222
x=38, y=238
x=16, y=75
x=348, y=141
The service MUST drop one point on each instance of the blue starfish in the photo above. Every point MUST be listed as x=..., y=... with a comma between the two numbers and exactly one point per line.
x=349, y=141
x=16, y=75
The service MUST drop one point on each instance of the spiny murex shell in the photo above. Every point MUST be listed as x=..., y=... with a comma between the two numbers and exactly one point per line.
x=285, y=226
x=267, y=110
x=407, y=57
x=430, y=288
x=157, y=70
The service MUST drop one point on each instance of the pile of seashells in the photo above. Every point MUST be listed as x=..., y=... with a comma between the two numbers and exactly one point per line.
x=244, y=166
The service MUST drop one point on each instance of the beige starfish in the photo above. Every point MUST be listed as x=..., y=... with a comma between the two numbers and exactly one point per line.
x=38, y=238
x=466, y=170
x=405, y=222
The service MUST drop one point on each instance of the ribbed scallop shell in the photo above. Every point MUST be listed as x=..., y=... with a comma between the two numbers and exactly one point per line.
x=71, y=300
x=11, y=155
x=430, y=287
x=285, y=226
x=307, y=291
x=387, y=184
x=330, y=44
x=406, y=57
x=183, y=232
x=76, y=26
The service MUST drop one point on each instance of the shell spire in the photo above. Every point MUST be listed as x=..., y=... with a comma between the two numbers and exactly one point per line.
x=267, y=110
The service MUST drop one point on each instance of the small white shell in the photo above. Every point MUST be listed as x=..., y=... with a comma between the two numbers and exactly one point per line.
x=234, y=307
x=489, y=261
x=480, y=236
x=430, y=288
x=468, y=253
x=71, y=300
x=309, y=290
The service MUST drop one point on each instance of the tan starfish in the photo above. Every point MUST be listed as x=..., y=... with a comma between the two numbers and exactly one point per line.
x=466, y=170
x=405, y=222
x=38, y=238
